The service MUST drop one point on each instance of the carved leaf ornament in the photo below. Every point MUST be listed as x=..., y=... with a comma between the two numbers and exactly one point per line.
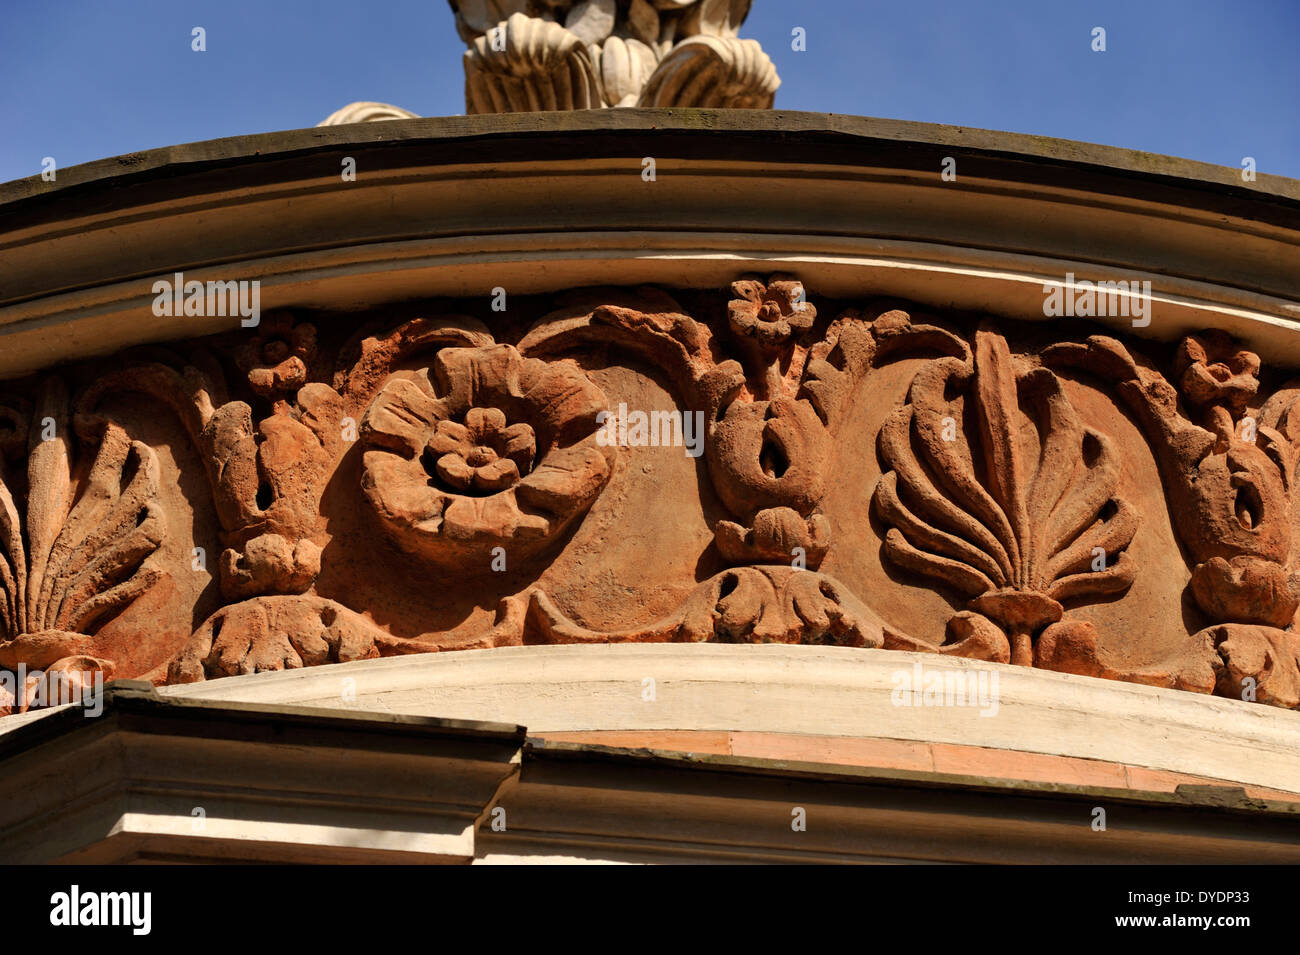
x=72, y=554
x=999, y=491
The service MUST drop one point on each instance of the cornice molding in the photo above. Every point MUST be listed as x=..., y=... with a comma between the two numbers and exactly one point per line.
x=850, y=204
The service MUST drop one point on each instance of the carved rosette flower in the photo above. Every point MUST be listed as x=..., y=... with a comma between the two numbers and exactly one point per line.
x=483, y=454
x=771, y=314
x=276, y=358
x=486, y=449
x=997, y=489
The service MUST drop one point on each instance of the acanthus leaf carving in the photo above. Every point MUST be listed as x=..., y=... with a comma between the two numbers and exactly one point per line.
x=537, y=65
x=743, y=605
x=714, y=72
x=266, y=634
x=1259, y=663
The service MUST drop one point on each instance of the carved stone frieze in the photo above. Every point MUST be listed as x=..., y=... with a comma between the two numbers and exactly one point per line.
x=998, y=489
x=618, y=465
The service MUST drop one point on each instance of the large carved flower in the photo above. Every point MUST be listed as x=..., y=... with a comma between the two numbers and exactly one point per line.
x=485, y=449
x=771, y=314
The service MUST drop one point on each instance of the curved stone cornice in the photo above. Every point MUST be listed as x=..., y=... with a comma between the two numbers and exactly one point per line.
x=847, y=203
x=807, y=691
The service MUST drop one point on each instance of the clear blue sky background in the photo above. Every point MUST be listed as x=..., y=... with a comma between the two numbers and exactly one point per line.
x=1213, y=80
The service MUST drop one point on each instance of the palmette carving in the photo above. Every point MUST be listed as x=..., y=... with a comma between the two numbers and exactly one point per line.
x=73, y=555
x=470, y=470
x=1017, y=515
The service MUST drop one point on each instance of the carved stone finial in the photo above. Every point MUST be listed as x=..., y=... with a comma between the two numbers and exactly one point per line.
x=531, y=55
x=544, y=55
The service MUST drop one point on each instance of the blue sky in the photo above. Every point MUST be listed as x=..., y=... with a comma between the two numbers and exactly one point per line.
x=1214, y=81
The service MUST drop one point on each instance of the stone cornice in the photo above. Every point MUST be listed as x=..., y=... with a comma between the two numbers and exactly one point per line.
x=825, y=138
x=457, y=206
x=165, y=779
x=808, y=691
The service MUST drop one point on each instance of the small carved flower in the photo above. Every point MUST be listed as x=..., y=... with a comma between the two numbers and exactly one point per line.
x=483, y=454
x=275, y=359
x=1213, y=371
x=771, y=314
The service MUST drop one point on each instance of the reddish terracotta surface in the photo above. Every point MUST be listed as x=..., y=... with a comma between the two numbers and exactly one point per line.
x=947, y=758
x=324, y=489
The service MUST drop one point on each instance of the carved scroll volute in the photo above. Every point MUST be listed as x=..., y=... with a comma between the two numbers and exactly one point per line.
x=997, y=489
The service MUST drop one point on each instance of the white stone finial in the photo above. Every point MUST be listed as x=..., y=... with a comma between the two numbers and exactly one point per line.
x=532, y=55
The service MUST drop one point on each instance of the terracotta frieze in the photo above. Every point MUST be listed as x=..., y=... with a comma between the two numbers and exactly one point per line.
x=751, y=465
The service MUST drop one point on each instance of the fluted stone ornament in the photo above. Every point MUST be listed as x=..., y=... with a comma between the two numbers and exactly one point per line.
x=530, y=55
x=711, y=71
x=527, y=64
